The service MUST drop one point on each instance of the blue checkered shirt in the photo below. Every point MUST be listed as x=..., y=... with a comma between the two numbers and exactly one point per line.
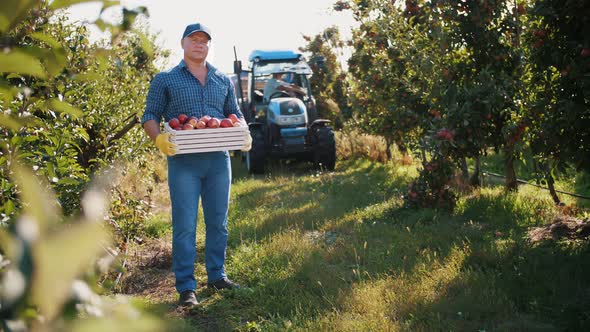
x=177, y=91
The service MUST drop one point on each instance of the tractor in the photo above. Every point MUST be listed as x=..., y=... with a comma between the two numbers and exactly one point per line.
x=283, y=124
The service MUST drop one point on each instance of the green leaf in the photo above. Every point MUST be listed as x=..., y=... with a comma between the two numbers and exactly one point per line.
x=60, y=259
x=9, y=207
x=107, y=3
x=64, y=107
x=56, y=61
x=56, y=4
x=18, y=62
x=47, y=39
x=10, y=123
x=40, y=203
x=83, y=133
x=50, y=170
x=101, y=25
x=68, y=181
x=146, y=45
x=12, y=11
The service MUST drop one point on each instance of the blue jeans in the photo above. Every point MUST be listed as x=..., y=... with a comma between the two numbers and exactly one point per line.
x=190, y=176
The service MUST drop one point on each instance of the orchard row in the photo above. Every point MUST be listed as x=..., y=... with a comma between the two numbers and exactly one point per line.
x=460, y=78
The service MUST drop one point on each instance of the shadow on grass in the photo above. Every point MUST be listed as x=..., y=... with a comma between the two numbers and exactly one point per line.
x=504, y=283
x=310, y=200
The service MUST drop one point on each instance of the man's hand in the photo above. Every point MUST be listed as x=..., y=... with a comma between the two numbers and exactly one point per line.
x=163, y=143
x=248, y=144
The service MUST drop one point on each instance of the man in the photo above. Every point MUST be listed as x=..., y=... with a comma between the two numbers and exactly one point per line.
x=276, y=83
x=194, y=87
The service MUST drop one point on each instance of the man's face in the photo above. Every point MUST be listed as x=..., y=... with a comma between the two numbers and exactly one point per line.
x=196, y=46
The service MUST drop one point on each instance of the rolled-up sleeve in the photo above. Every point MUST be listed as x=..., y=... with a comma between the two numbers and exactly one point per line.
x=231, y=103
x=156, y=100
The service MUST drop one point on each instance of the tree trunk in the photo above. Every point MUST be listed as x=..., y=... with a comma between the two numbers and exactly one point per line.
x=511, y=182
x=464, y=170
x=551, y=186
x=351, y=145
x=551, y=183
x=388, y=142
x=474, y=180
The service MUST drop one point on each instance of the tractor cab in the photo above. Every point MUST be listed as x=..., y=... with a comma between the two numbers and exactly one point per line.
x=281, y=113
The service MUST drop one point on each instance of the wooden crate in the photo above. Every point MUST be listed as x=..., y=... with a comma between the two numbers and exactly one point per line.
x=208, y=140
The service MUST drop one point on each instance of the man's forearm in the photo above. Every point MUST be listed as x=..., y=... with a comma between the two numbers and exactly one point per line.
x=152, y=129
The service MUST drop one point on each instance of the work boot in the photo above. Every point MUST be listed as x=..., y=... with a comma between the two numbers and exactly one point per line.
x=223, y=283
x=187, y=299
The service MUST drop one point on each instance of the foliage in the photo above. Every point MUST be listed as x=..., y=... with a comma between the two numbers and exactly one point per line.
x=74, y=114
x=558, y=45
x=497, y=74
x=65, y=113
x=39, y=286
x=327, y=82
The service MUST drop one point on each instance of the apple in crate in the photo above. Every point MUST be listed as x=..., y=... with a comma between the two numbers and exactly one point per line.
x=234, y=118
x=182, y=118
x=213, y=123
x=193, y=121
x=201, y=124
x=174, y=123
x=205, y=118
x=187, y=126
x=226, y=123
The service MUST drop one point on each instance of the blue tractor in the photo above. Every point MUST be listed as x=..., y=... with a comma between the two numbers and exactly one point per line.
x=281, y=113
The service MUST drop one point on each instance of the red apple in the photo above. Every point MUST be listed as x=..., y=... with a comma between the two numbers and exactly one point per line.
x=205, y=118
x=182, y=118
x=174, y=123
x=187, y=126
x=213, y=123
x=226, y=123
x=585, y=52
x=193, y=121
x=234, y=118
x=201, y=124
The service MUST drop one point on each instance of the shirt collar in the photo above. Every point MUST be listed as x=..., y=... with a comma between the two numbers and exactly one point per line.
x=210, y=68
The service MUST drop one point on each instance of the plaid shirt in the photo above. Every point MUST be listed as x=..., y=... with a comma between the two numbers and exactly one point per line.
x=177, y=91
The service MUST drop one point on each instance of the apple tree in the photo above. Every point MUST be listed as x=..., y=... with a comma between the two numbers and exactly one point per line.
x=68, y=106
x=558, y=43
x=327, y=81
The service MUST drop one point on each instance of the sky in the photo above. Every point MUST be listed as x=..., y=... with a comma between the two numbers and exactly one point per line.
x=246, y=24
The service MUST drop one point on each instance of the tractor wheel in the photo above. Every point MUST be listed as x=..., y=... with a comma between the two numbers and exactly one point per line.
x=255, y=157
x=324, y=150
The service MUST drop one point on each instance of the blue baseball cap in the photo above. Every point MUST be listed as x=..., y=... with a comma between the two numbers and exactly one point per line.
x=192, y=28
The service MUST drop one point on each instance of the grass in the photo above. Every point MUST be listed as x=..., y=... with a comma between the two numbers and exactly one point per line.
x=338, y=252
